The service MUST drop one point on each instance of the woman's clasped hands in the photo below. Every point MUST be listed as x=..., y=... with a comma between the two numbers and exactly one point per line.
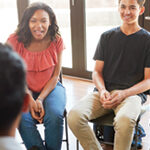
x=37, y=109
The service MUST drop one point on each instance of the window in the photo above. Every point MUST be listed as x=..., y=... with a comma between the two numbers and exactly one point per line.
x=101, y=15
x=81, y=24
x=9, y=19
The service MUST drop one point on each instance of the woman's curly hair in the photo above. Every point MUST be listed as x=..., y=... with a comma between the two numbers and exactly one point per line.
x=23, y=32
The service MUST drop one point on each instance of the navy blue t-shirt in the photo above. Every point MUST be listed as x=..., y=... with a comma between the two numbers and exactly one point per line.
x=124, y=56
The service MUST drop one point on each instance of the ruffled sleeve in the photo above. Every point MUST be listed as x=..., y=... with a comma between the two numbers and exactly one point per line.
x=59, y=44
x=13, y=42
x=40, y=61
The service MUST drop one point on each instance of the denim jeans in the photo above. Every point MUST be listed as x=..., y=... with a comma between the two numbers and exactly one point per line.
x=54, y=106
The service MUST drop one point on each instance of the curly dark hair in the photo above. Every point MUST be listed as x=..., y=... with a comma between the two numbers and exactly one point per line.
x=23, y=31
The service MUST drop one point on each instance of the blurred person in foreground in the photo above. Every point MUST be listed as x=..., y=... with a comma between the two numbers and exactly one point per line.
x=13, y=97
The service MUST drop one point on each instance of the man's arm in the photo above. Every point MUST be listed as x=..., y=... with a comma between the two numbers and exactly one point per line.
x=99, y=82
x=140, y=87
x=119, y=95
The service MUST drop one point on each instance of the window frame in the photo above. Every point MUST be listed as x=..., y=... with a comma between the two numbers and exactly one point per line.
x=78, y=38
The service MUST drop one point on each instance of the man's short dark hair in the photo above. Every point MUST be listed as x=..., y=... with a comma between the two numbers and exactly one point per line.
x=140, y=2
x=12, y=86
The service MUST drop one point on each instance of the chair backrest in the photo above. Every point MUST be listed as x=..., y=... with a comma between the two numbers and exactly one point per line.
x=60, y=76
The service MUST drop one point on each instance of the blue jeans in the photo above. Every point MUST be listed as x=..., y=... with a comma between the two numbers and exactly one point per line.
x=54, y=106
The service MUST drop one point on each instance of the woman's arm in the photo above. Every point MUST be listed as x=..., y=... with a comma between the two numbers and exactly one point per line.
x=53, y=81
x=32, y=105
x=48, y=88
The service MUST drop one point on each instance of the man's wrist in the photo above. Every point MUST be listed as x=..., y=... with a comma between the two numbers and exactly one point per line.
x=126, y=93
x=40, y=99
x=102, y=89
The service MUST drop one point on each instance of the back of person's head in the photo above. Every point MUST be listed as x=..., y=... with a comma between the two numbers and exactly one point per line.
x=23, y=31
x=12, y=86
x=140, y=2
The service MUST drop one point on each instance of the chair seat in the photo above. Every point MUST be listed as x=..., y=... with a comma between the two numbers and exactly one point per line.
x=104, y=120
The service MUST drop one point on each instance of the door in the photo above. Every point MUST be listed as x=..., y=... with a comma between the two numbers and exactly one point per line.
x=146, y=16
x=101, y=15
x=9, y=18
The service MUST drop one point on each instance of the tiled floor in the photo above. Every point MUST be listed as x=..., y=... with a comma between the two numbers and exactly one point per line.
x=76, y=89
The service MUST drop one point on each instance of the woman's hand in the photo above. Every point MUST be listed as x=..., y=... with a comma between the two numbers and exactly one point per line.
x=34, y=109
x=41, y=111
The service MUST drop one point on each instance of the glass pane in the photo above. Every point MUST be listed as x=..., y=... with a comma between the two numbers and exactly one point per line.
x=9, y=18
x=101, y=15
x=62, y=12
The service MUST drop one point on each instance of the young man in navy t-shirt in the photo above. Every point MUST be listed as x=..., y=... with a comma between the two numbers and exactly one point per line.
x=121, y=76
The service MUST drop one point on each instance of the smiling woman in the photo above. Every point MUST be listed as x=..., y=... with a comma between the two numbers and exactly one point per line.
x=38, y=41
x=39, y=24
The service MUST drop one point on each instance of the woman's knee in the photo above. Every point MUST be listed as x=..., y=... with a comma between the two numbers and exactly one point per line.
x=59, y=92
x=55, y=104
x=27, y=120
x=54, y=117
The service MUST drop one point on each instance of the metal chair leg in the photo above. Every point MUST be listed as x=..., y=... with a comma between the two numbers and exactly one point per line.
x=77, y=145
x=136, y=134
x=66, y=131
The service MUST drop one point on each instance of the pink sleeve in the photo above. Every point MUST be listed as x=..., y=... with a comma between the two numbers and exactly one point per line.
x=13, y=41
x=60, y=44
